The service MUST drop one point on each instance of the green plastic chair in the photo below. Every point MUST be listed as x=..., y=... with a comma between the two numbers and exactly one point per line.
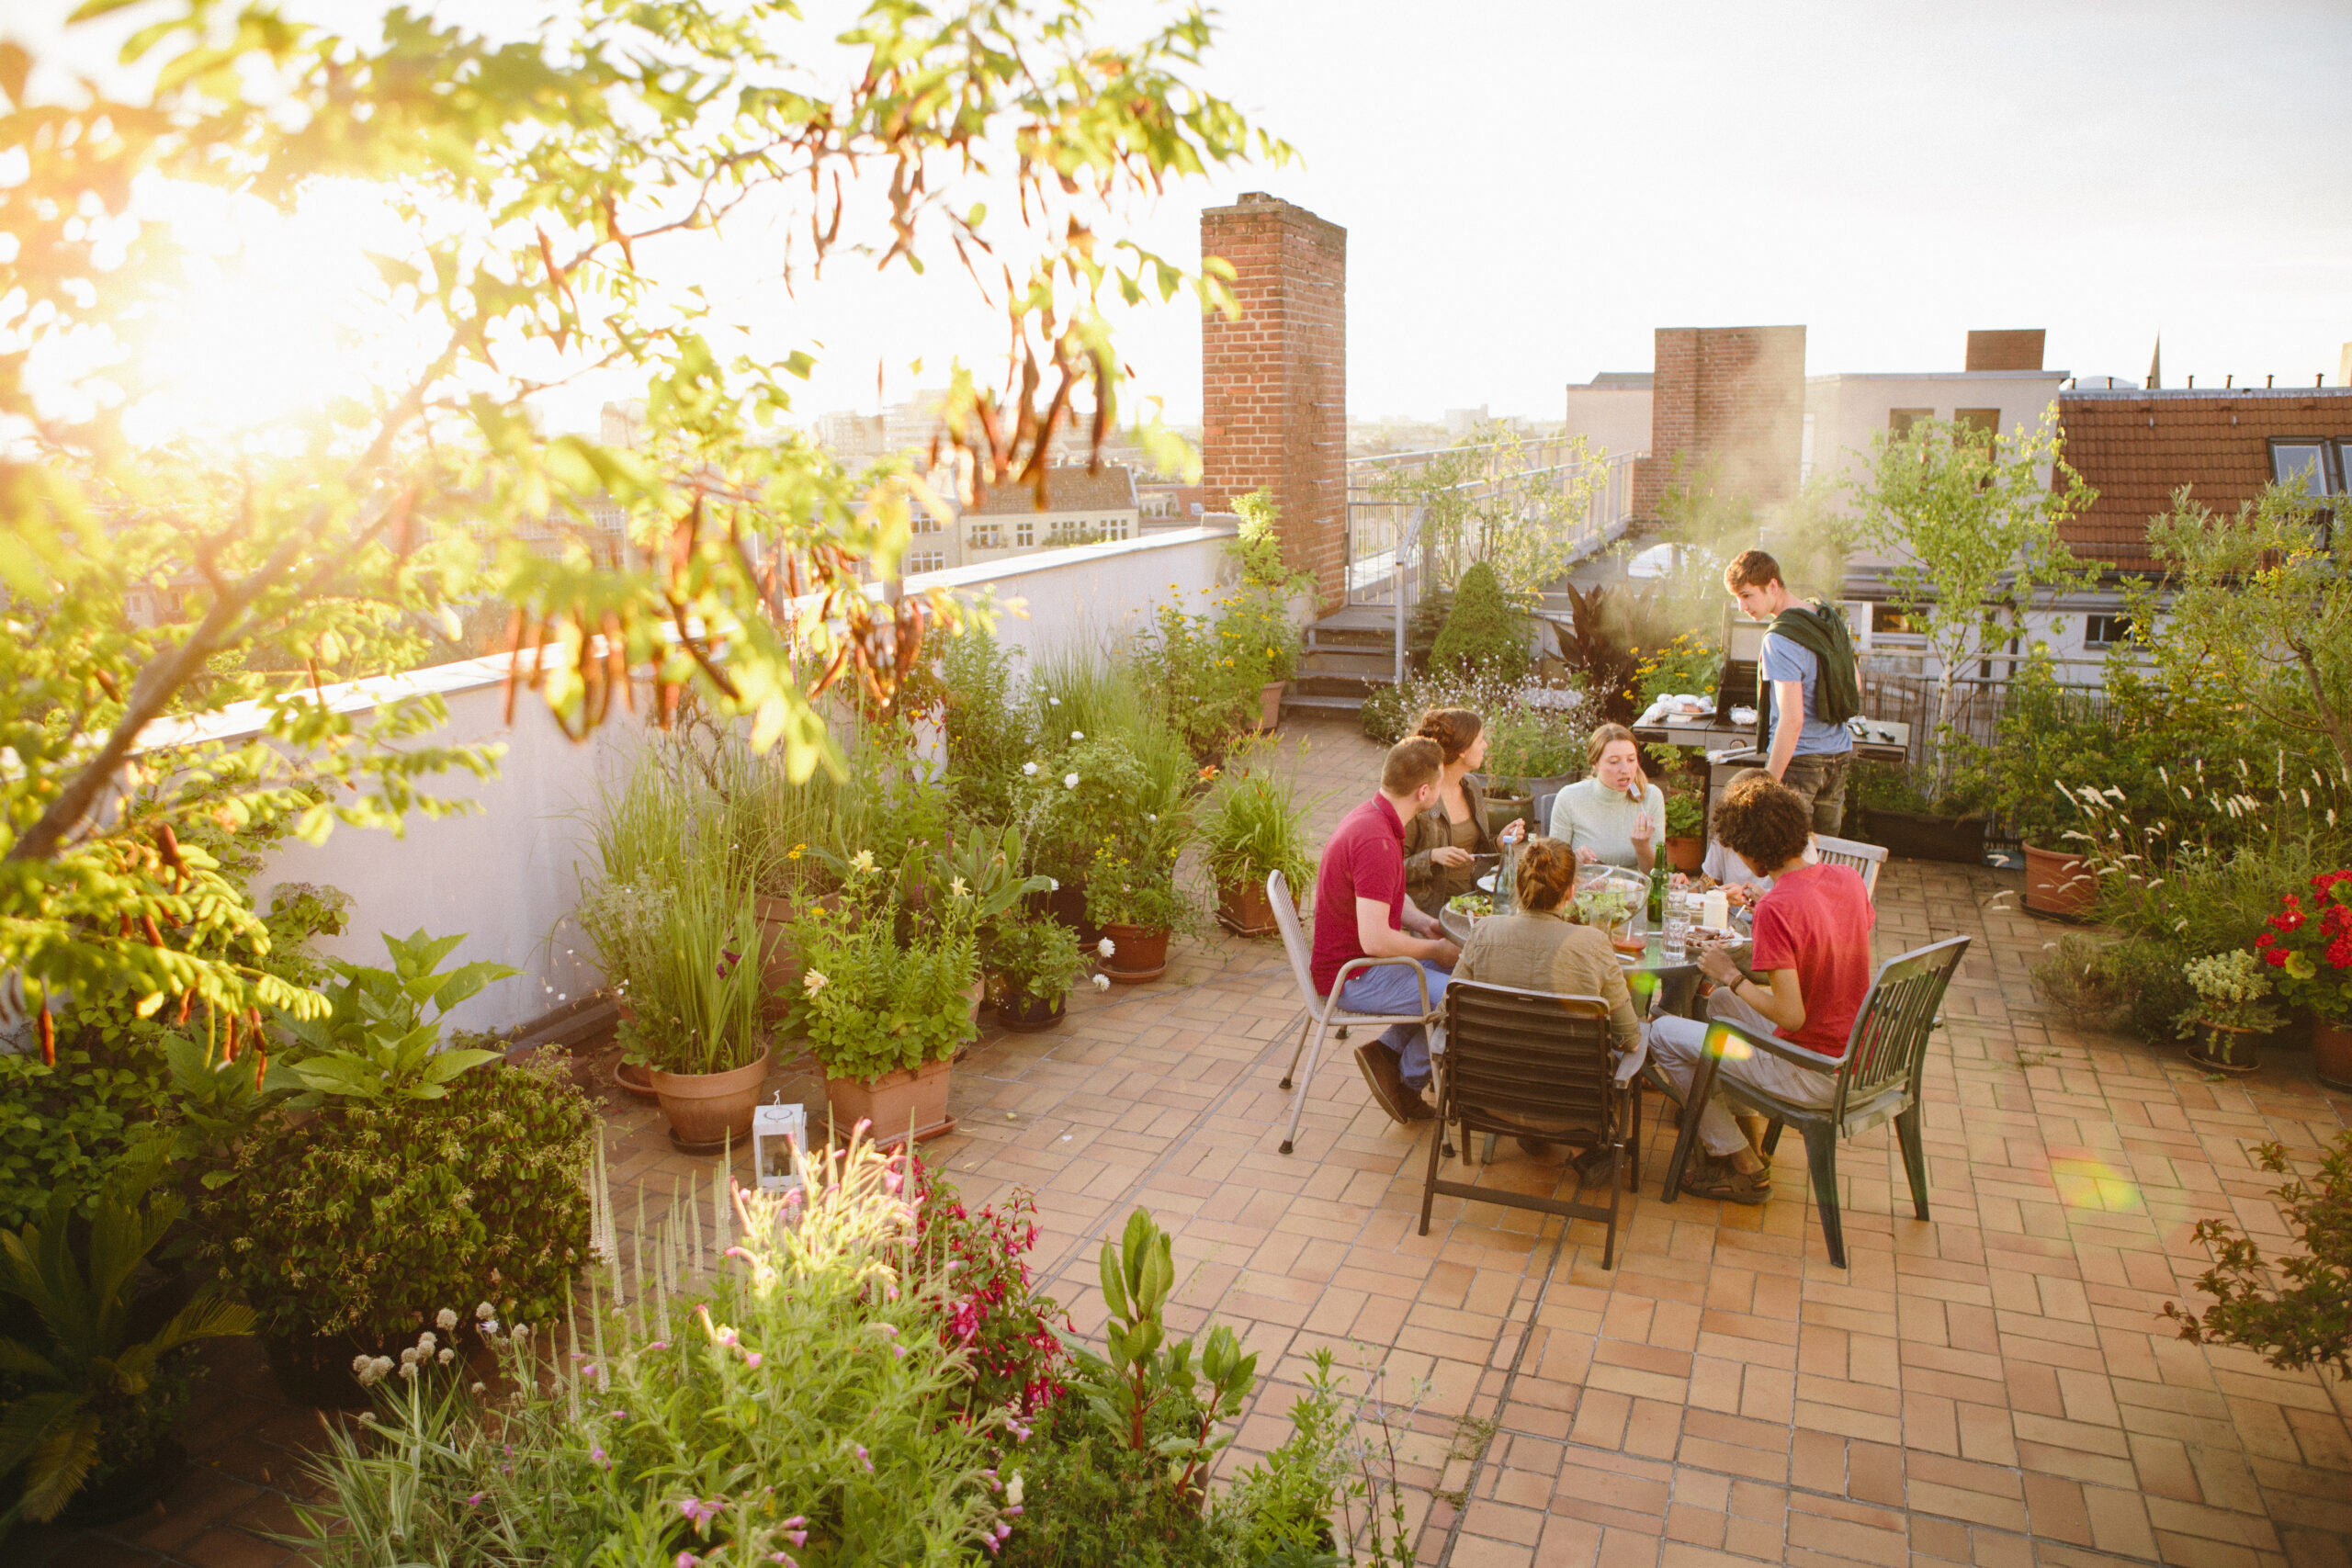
x=1878, y=1081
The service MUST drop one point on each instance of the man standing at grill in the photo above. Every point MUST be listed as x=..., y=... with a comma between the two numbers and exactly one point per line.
x=1807, y=688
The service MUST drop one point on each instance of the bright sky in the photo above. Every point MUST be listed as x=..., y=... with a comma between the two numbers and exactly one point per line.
x=1530, y=189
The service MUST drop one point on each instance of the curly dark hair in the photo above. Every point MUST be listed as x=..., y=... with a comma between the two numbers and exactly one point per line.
x=1763, y=821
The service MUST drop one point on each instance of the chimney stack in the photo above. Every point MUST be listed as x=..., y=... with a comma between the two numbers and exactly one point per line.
x=2011, y=349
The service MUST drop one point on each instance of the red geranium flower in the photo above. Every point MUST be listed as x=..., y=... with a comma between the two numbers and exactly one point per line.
x=2264, y=939
x=2275, y=958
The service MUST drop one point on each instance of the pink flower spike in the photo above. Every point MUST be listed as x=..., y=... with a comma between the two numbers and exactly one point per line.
x=798, y=1538
x=861, y=1458
x=780, y=1557
x=475, y=1501
x=687, y=1560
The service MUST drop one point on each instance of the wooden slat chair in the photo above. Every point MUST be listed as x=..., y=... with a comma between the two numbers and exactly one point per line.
x=1878, y=1081
x=1325, y=1013
x=1864, y=858
x=1533, y=1063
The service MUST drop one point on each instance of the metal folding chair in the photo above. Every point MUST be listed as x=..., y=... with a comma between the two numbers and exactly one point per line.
x=1877, y=1081
x=1533, y=1063
x=1325, y=1013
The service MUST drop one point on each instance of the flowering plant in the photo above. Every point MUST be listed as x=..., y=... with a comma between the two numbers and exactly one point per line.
x=881, y=989
x=1135, y=886
x=991, y=1308
x=2308, y=942
x=2230, y=989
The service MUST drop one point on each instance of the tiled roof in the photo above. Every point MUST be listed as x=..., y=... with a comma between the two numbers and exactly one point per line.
x=2136, y=448
x=1068, y=488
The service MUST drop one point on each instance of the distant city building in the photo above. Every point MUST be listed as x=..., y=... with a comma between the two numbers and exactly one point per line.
x=1082, y=508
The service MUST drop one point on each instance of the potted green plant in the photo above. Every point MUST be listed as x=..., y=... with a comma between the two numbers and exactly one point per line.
x=1897, y=814
x=2230, y=1009
x=1131, y=893
x=2307, y=946
x=695, y=1023
x=1535, y=741
x=1259, y=615
x=1032, y=963
x=94, y=1348
x=1686, y=832
x=1251, y=824
x=884, y=1001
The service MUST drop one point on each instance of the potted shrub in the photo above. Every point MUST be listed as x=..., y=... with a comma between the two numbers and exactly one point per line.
x=1031, y=963
x=96, y=1349
x=696, y=1023
x=884, y=1001
x=2049, y=734
x=2307, y=945
x=1686, y=833
x=1897, y=814
x=1131, y=893
x=1534, y=742
x=2230, y=1009
x=409, y=1186
x=1250, y=825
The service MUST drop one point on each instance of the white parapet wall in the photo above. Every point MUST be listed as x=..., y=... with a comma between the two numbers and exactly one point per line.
x=508, y=873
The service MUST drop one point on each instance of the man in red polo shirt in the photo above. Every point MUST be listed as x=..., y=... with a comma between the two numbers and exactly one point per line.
x=1360, y=912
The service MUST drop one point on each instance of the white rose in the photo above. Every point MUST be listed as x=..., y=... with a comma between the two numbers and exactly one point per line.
x=1106, y=947
x=1069, y=781
x=1077, y=734
x=1030, y=768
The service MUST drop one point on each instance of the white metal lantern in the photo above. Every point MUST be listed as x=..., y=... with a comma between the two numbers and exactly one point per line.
x=779, y=1134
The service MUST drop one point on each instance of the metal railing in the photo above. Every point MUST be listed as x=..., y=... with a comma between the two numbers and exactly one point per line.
x=1392, y=563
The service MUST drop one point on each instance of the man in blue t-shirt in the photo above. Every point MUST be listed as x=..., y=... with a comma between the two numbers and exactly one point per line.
x=1809, y=674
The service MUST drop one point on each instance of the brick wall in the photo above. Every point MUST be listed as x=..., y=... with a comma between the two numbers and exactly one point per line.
x=2017, y=348
x=1274, y=381
x=1728, y=401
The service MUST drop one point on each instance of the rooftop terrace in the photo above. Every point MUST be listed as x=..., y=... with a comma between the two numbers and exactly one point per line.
x=1992, y=1387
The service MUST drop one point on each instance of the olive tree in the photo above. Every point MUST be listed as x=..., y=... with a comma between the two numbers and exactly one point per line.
x=541, y=185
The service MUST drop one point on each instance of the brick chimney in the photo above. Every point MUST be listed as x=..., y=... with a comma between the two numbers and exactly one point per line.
x=1274, y=382
x=1725, y=401
x=2010, y=348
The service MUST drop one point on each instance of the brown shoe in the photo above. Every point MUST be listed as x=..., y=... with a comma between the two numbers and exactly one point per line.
x=1727, y=1183
x=1404, y=1106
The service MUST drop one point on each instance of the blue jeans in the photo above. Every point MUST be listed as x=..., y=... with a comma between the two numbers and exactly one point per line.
x=1391, y=988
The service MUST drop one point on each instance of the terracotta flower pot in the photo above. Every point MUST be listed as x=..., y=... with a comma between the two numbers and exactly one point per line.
x=893, y=1103
x=708, y=1110
x=633, y=1077
x=1243, y=910
x=2057, y=883
x=1270, y=704
x=1027, y=1015
x=1137, y=953
x=2332, y=1053
x=1686, y=855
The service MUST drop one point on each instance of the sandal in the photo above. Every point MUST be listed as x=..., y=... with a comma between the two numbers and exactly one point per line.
x=1727, y=1183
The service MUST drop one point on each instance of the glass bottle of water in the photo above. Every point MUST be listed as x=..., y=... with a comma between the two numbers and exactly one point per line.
x=1507, y=881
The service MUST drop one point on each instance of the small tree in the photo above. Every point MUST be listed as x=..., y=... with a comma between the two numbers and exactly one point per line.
x=1492, y=498
x=1482, y=634
x=1973, y=526
x=2261, y=606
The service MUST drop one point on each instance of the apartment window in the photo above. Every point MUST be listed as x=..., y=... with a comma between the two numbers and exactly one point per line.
x=1900, y=420
x=2106, y=631
x=925, y=523
x=925, y=560
x=1025, y=535
x=2308, y=459
x=1979, y=422
x=988, y=536
x=1886, y=620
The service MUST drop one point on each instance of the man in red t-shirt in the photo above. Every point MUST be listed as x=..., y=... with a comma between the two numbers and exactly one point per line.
x=1360, y=912
x=1813, y=949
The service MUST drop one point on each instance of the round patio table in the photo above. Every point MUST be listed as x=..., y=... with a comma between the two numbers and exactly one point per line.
x=1680, y=976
